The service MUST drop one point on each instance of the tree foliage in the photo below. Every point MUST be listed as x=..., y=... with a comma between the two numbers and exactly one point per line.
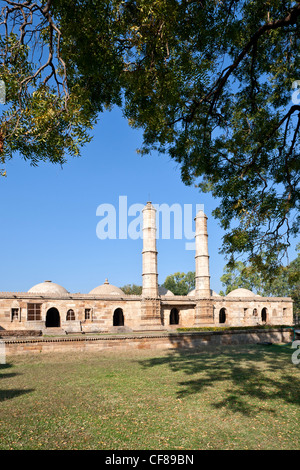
x=132, y=289
x=209, y=82
x=55, y=90
x=180, y=283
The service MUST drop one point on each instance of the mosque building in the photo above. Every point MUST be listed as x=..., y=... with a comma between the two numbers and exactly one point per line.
x=49, y=307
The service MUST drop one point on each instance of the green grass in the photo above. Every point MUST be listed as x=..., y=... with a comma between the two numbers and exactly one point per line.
x=238, y=397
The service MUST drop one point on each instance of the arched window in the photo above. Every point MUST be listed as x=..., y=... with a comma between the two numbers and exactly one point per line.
x=118, y=318
x=174, y=317
x=222, y=315
x=264, y=315
x=70, y=315
x=14, y=314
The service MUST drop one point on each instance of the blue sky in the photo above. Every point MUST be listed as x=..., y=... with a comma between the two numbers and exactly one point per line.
x=49, y=221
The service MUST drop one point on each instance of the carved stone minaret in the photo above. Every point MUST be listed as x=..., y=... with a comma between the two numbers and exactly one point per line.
x=202, y=277
x=150, y=275
x=151, y=304
x=204, y=308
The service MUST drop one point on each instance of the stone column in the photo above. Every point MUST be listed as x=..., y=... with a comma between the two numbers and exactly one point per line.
x=202, y=277
x=150, y=304
x=204, y=307
x=150, y=276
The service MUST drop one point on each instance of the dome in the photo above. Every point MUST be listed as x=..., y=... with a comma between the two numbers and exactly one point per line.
x=163, y=291
x=214, y=294
x=241, y=293
x=107, y=289
x=48, y=287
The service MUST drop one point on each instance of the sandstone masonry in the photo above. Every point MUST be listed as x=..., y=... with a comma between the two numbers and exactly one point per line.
x=48, y=307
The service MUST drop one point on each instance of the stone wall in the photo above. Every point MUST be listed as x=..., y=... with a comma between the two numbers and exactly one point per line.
x=20, y=333
x=144, y=314
x=101, y=313
x=248, y=312
x=163, y=341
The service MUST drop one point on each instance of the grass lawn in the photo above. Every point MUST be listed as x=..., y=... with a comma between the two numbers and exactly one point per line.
x=238, y=397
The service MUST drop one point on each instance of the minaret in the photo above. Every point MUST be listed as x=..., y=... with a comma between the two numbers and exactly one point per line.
x=150, y=276
x=202, y=277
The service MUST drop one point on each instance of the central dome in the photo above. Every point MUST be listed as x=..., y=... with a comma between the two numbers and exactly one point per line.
x=107, y=289
x=48, y=287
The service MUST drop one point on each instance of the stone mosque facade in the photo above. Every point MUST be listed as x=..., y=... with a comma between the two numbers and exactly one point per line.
x=49, y=307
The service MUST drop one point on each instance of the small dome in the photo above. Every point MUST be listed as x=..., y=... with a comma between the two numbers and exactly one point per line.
x=107, y=289
x=163, y=291
x=48, y=287
x=214, y=294
x=241, y=293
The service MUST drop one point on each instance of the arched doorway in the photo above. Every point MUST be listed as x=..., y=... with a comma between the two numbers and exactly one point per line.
x=264, y=315
x=222, y=315
x=52, y=318
x=174, y=317
x=118, y=319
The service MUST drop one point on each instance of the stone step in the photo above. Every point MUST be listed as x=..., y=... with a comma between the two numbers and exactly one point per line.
x=54, y=331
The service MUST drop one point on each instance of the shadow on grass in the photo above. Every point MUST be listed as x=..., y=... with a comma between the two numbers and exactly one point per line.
x=9, y=394
x=249, y=378
x=12, y=393
x=6, y=375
